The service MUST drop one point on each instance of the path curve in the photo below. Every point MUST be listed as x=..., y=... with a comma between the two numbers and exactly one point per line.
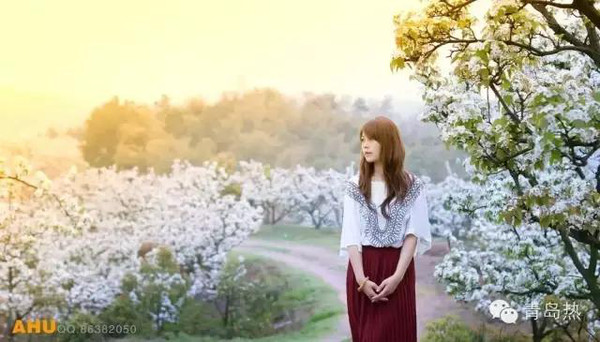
x=313, y=260
x=432, y=302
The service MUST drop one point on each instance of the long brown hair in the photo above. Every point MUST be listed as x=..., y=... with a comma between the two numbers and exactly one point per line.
x=392, y=155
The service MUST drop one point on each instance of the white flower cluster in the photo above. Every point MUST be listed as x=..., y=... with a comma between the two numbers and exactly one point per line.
x=185, y=211
x=489, y=260
x=302, y=194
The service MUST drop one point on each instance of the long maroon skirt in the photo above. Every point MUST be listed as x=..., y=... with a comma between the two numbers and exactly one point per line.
x=391, y=321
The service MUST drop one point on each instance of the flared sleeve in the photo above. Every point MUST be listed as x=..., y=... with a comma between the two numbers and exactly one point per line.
x=418, y=224
x=350, y=225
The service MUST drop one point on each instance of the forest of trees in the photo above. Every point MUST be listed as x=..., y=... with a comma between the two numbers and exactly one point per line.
x=319, y=130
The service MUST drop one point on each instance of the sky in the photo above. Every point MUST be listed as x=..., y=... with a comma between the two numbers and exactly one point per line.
x=62, y=58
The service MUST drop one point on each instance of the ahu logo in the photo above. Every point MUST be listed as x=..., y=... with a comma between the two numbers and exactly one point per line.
x=36, y=326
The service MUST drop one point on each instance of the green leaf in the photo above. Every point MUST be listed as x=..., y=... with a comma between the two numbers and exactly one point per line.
x=529, y=201
x=397, y=64
x=555, y=156
x=500, y=154
x=580, y=123
x=483, y=55
x=538, y=165
x=485, y=76
x=544, y=221
x=518, y=218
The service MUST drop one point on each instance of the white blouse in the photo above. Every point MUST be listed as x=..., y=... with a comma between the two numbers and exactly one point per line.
x=416, y=221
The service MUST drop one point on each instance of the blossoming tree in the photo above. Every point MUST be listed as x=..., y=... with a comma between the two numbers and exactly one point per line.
x=524, y=264
x=521, y=97
x=60, y=260
x=32, y=218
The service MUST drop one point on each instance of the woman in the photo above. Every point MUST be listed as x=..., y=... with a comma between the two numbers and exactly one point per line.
x=385, y=224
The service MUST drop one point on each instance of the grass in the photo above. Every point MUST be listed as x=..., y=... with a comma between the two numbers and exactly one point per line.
x=324, y=237
x=276, y=249
x=309, y=291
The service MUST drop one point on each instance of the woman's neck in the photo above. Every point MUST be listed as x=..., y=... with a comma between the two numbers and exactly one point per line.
x=378, y=172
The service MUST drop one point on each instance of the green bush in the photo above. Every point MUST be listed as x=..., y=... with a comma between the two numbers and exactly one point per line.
x=83, y=326
x=249, y=298
x=149, y=293
x=124, y=312
x=254, y=299
x=448, y=329
x=200, y=318
x=451, y=329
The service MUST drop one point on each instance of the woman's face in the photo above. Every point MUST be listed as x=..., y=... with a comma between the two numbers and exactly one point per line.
x=371, y=148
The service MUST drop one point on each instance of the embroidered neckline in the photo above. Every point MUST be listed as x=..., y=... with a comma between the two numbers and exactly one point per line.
x=394, y=227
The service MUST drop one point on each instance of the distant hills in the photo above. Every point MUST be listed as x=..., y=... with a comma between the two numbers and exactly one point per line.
x=24, y=114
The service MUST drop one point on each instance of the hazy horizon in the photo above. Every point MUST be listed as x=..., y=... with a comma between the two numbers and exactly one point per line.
x=68, y=57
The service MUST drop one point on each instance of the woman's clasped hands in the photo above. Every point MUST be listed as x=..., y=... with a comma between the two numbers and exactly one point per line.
x=379, y=293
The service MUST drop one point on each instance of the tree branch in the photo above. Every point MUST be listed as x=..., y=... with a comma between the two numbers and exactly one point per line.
x=595, y=55
x=549, y=3
x=589, y=278
x=592, y=36
x=587, y=8
x=556, y=27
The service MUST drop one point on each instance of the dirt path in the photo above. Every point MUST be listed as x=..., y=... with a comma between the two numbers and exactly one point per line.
x=432, y=302
x=315, y=260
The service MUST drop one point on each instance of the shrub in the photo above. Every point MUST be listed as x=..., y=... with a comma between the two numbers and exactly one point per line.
x=124, y=312
x=448, y=329
x=451, y=329
x=83, y=325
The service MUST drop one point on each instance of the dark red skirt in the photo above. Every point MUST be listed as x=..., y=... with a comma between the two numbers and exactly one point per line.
x=391, y=321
